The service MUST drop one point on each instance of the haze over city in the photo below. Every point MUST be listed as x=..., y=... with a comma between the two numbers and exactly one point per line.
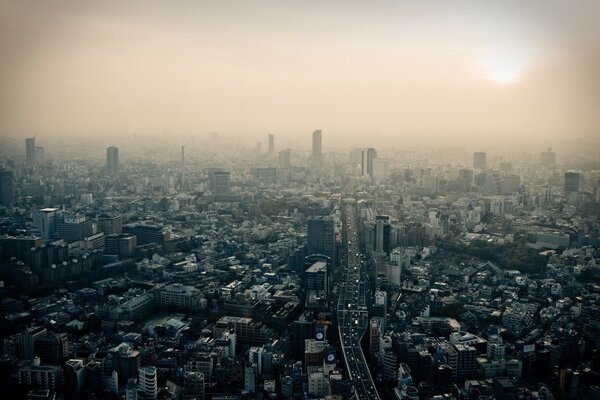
x=392, y=69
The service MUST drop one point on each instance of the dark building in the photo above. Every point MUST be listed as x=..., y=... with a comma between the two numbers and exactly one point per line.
x=548, y=158
x=112, y=160
x=219, y=181
x=317, y=148
x=479, y=160
x=7, y=187
x=110, y=224
x=52, y=348
x=149, y=234
x=321, y=237
x=30, y=151
x=122, y=245
x=382, y=233
x=572, y=181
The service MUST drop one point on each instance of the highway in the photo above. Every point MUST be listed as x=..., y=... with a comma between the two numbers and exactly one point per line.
x=352, y=314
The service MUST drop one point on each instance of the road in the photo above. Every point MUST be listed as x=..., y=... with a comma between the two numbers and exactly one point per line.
x=352, y=314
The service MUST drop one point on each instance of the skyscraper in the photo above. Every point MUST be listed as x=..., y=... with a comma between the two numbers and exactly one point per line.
x=368, y=155
x=382, y=233
x=112, y=159
x=548, y=157
x=271, y=150
x=45, y=221
x=30, y=151
x=572, y=181
x=7, y=187
x=321, y=237
x=182, y=154
x=479, y=160
x=317, y=147
x=285, y=157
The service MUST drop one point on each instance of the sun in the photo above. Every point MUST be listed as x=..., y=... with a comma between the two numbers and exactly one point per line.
x=503, y=65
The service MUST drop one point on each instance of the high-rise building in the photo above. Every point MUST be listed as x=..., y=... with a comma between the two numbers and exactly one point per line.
x=148, y=383
x=368, y=155
x=112, y=159
x=182, y=154
x=221, y=182
x=7, y=187
x=321, y=237
x=572, y=181
x=52, y=348
x=110, y=224
x=39, y=155
x=45, y=220
x=30, y=151
x=382, y=233
x=193, y=385
x=548, y=157
x=317, y=147
x=75, y=228
x=479, y=160
x=285, y=158
x=271, y=149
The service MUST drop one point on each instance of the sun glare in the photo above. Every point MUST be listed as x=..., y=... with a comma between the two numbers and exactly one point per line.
x=503, y=66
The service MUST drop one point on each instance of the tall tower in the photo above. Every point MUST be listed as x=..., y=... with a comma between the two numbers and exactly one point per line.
x=368, y=155
x=479, y=160
x=182, y=154
x=572, y=181
x=321, y=237
x=7, y=187
x=317, y=147
x=30, y=151
x=271, y=150
x=285, y=157
x=112, y=159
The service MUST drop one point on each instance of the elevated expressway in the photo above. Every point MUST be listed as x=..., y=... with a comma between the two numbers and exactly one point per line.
x=352, y=314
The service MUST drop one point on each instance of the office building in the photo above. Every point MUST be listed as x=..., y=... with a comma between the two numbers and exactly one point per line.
x=52, y=348
x=39, y=155
x=572, y=182
x=316, y=277
x=110, y=224
x=45, y=221
x=321, y=237
x=382, y=234
x=271, y=148
x=548, y=158
x=27, y=342
x=193, y=385
x=122, y=245
x=149, y=234
x=75, y=228
x=112, y=160
x=7, y=187
x=178, y=295
x=479, y=160
x=285, y=158
x=220, y=182
x=366, y=165
x=182, y=154
x=317, y=148
x=30, y=151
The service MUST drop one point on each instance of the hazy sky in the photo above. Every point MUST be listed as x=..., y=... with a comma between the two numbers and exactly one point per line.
x=470, y=69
